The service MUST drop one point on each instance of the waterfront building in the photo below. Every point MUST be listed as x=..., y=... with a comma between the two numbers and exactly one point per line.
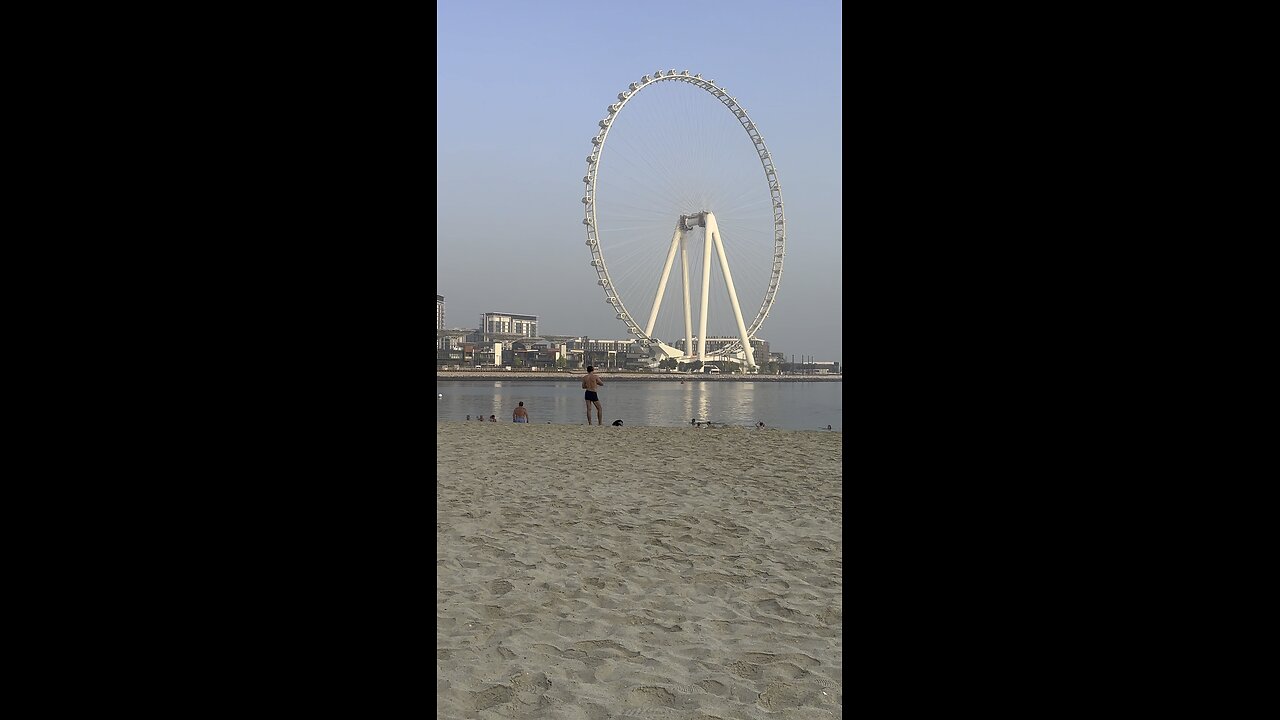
x=809, y=366
x=610, y=354
x=499, y=324
x=491, y=343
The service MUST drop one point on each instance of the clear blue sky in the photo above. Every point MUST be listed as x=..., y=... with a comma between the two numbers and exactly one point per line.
x=520, y=88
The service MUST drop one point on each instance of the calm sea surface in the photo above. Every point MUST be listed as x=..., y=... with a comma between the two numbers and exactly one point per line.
x=787, y=405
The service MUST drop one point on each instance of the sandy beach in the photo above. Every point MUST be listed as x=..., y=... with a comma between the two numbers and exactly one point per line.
x=587, y=572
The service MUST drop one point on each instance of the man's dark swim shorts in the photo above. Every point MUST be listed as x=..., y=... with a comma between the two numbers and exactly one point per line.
x=591, y=395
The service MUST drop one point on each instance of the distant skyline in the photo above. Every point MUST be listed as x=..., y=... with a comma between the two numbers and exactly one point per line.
x=520, y=88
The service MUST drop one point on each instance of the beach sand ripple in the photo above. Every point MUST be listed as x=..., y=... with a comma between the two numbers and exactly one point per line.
x=601, y=572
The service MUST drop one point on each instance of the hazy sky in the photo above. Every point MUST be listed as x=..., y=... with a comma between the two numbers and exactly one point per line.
x=520, y=88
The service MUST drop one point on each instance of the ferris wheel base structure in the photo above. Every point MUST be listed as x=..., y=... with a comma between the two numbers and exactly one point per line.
x=706, y=220
x=660, y=351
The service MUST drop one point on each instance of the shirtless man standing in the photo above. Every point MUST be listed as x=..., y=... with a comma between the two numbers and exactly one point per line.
x=520, y=415
x=590, y=382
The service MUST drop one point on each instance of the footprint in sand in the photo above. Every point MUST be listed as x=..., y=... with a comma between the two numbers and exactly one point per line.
x=714, y=687
x=783, y=671
x=650, y=696
x=800, y=659
x=775, y=609
x=530, y=681
x=831, y=616
x=780, y=696
x=495, y=695
x=744, y=670
x=604, y=648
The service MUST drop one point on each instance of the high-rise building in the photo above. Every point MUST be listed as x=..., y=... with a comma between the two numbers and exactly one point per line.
x=441, y=343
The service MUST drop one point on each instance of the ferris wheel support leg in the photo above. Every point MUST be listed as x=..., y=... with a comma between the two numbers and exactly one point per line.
x=688, y=307
x=713, y=229
x=706, y=286
x=662, y=284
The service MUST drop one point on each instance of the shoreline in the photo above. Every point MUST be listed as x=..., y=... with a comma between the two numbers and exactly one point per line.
x=623, y=376
x=681, y=428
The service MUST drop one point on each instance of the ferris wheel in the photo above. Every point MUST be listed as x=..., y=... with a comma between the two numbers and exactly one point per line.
x=686, y=172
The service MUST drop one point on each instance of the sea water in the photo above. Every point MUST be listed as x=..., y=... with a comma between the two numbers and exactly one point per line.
x=790, y=405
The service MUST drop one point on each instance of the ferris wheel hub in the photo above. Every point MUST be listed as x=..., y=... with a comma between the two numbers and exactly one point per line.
x=699, y=219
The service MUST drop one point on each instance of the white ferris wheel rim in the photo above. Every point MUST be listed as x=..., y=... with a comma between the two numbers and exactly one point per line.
x=771, y=178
